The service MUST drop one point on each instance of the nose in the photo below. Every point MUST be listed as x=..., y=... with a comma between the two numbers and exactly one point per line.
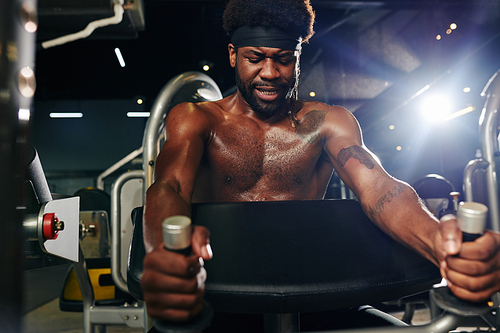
x=269, y=70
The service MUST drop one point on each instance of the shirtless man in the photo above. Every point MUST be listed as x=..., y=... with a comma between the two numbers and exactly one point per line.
x=261, y=143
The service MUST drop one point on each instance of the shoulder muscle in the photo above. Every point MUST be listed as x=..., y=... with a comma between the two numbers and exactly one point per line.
x=337, y=123
x=187, y=119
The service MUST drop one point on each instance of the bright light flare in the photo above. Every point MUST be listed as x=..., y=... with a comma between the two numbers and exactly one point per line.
x=29, y=17
x=460, y=113
x=435, y=108
x=26, y=82
x=23, y=114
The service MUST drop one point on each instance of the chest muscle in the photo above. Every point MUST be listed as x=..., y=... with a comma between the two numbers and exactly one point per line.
x=243, y=158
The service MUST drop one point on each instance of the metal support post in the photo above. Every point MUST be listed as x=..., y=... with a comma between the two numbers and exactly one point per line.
x=282, y=323
x=17, y=86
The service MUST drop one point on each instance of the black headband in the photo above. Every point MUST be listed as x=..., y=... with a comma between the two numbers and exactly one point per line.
x=265, y=37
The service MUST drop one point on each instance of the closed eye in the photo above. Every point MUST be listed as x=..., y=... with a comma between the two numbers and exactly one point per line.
x=255, y=60
x=284, y=59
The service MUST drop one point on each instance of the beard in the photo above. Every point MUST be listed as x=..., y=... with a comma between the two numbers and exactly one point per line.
x=266, y=109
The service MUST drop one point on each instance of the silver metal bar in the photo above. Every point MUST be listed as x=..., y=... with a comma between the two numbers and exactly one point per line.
x=83, y=278
x=30, y=227
x=469, y=171
x=37, y=177
x=131, y=315
x=444, y=324
x=281, y=323
x=116, y=227
x=489, y=130
x=116, y=166
x=343, y=193
x=156, y=120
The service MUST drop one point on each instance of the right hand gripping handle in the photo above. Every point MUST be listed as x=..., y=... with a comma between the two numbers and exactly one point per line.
x=177, y=238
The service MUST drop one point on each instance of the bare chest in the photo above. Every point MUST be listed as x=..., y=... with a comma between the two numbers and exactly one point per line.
x=245, y=159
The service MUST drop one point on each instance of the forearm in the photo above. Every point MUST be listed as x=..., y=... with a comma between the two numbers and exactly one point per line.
x=162, y=201
x=398, y=211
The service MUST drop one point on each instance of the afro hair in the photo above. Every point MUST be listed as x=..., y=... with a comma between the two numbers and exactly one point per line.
x=296, y=16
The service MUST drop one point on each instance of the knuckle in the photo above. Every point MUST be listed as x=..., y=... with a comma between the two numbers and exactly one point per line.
x=192, y=286
x=183, y=266
x=474, y=285
x=484, y=253
x=190, y=301
x=476, y=268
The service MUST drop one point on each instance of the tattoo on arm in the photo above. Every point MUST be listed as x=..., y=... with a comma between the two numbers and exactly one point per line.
x=355, y=152
x=375, y=211
x=308, y=129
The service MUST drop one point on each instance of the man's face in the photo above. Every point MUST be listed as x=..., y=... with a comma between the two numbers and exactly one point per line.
x=264, y=77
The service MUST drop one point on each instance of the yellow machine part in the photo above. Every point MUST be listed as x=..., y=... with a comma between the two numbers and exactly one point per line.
x=72, y=290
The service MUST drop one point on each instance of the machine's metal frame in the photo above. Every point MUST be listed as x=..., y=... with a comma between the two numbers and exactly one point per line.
x=155, y=124
x=488, y=128
x=116, y=227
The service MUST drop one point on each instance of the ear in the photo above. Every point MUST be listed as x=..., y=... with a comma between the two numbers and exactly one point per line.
x=232, y=55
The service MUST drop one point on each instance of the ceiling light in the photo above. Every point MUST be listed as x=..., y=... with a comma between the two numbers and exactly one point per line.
x=120, y=57
x=312, y=94
x=466, y=89
x=453, y=26
x=136, y=114
x=206, y=65
x=438, y=37
x=66, y=115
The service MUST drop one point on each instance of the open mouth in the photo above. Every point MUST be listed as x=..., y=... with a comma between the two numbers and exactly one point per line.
x=267, y=93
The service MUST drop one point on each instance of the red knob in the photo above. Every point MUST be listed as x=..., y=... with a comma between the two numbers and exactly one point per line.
x=50, y=231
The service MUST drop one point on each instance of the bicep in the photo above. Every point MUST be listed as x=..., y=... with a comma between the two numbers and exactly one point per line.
x=355, y=164
x=182, y=152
